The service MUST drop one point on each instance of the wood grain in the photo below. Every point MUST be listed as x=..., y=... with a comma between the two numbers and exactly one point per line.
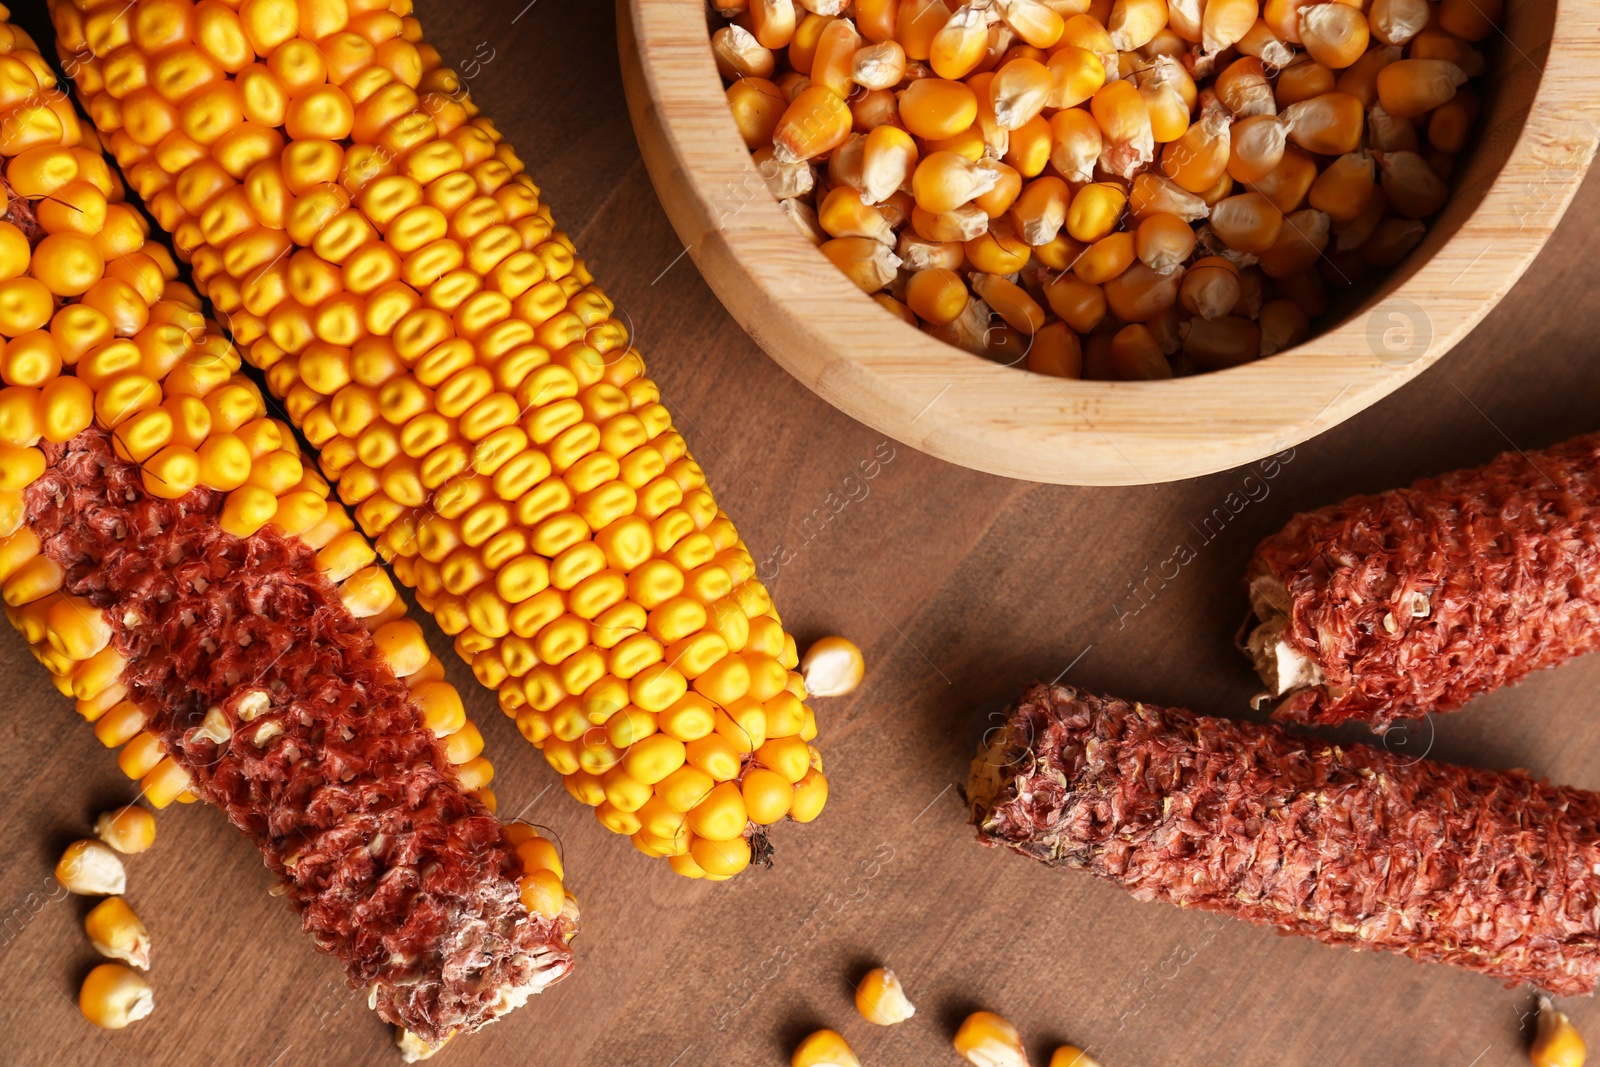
x=961, y=587
x=1510, y=191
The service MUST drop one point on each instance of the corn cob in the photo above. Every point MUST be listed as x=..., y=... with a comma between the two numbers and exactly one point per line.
x=1414, y=600
x=382, y=255
x=181, y=573
x=1349, y=845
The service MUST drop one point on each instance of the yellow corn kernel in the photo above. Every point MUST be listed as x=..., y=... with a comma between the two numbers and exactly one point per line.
x=937, y=295
x=788, y=756
x=988, y=1040
x=1450, y=124
x=1000, y=250
x=115, y=932
x=1330, y=124
x=1410, y=186
x=1096, y=211
x=119, y=724
x=1334, y=38
x=247, y=509
x=810, y=796
x=1408, y=88
x=1010, y=301
x=867, y=262
x=1019, y=91
x=76, y=628
x=720, y=858
x=653, y=758
x=542, y=894
x=716, y=756
x=691, y=718
x=1105, y=259
x=439, y=707
x=767, y=796
x=935, y=108
x=1472, y=22
x=140, y=755
x=474, y=775
x=33, y=579
x=344, y=555
x=129, y=829
x=1227, y=21
x=630, y=726
x=815, y=122
x=624, y=792
x=1256, y=146
x=683, y=863
x=1556, y=1042
x=825, y=1048
x=1222, y=342
x=685, y=788
x=881, y=999
x=16, y=550
x=367, y=592
x=720, y=815
x=114, y=996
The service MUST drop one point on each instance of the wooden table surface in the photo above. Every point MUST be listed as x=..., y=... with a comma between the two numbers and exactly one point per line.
x=960, y=588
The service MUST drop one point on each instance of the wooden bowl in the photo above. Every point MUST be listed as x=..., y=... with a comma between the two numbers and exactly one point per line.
x=1534, y=144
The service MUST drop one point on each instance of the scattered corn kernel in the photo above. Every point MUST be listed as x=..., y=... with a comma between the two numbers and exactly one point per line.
x=114, y=996
x=91, y=869
x=116, y=932
x=1557, y=1042
x=825, y=1048
x=129, y=829
x=832, y=667
x=881, y=999
x=987, y=1040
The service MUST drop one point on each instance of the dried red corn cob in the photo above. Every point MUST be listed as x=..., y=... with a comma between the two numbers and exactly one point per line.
x=1351, y=845
x=1391, y=606
x=258, y=666
x=262, y=692
x=382, y=255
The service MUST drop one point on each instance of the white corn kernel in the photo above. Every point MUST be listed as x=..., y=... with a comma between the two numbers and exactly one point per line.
x=253, y=705
x=214, y=727
x=90, y=868
x=832, y=667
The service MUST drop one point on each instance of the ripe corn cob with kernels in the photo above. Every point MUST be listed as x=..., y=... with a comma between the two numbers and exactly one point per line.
x=959, y=160
x=181, y=573
x=382, y=255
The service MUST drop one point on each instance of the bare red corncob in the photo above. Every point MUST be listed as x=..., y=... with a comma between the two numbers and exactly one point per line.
x=274, y=700
x=1390, y=606
x=1349, y=845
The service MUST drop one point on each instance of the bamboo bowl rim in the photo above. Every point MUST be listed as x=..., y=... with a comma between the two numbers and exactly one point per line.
x=1007, y=421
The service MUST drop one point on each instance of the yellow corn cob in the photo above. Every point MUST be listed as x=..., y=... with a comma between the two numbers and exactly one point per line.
x=102, y=339
x=381, y=254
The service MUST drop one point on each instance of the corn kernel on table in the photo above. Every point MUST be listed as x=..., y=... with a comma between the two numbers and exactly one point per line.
x=960, y=588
